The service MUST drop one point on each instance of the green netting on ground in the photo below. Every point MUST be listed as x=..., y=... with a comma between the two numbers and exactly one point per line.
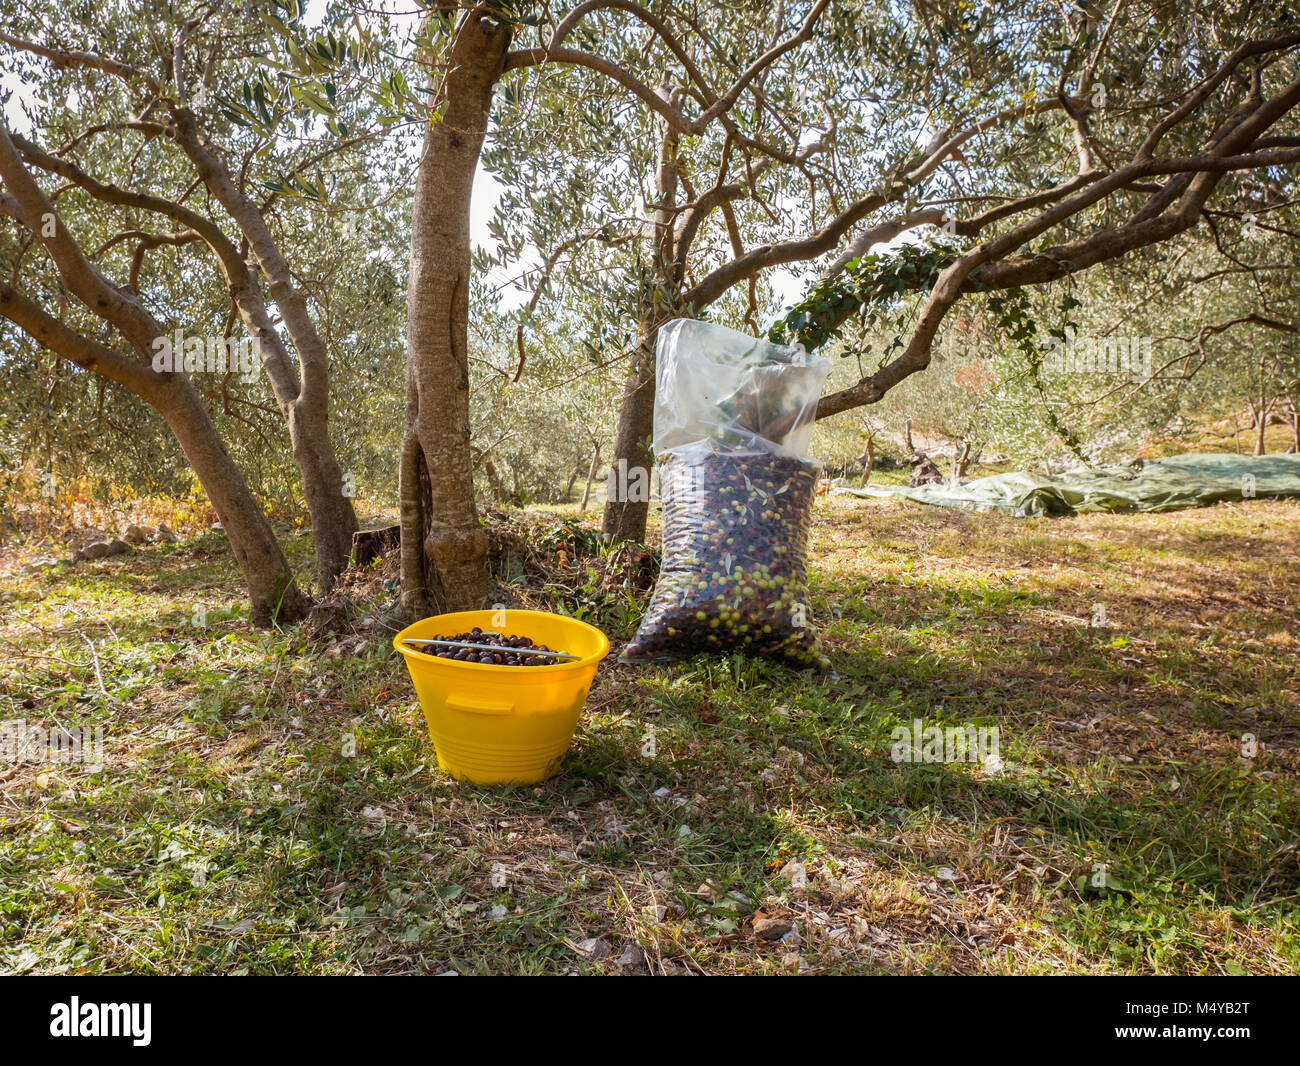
x=1170, y=484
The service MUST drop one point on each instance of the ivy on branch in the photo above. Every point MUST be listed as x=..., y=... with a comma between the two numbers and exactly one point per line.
x=866, y=288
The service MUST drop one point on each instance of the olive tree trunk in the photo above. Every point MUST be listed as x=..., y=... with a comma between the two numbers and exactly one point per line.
x=273, y=594
x=868, y=459
x=444, y=546
x=301, y=387
x=626, y=514
x=591, y=476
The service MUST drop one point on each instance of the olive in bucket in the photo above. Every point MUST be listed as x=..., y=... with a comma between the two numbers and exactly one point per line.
x=501, y=691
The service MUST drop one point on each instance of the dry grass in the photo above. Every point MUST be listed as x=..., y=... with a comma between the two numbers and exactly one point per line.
x=230, y=830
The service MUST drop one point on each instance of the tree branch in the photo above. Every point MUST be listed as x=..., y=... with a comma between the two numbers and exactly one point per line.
x=50, y=333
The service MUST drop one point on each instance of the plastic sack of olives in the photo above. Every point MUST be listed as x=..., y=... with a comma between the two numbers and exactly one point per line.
x=733, y=419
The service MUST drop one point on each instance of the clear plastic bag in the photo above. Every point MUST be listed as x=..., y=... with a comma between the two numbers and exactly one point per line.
x=733, y=419
x=712, y=383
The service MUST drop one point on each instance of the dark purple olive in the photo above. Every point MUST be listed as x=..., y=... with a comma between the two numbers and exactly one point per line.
x=517, y=656
x=735, y=535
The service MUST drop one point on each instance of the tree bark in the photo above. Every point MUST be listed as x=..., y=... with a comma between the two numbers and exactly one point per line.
x=868, y=460
x=960, y=462
x=625, y=518
x=444, y=546
x=591, y=476
x=273, y=594
x=370, y=544
x=499, y=492
x=1259, y=415
x=303, y=396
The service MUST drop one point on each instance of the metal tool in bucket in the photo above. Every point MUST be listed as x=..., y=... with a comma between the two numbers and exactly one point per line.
x=544, y=652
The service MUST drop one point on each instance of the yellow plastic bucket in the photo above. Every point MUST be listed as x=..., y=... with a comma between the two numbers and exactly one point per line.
x=503, y=725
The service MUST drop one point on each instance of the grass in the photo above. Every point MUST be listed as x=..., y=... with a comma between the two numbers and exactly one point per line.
x=266, y=807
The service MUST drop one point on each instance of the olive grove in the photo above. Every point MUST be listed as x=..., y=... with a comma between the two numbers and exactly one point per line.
x=940, y=180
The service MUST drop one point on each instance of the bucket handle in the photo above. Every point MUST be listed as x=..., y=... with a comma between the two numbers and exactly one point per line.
x=475, y=705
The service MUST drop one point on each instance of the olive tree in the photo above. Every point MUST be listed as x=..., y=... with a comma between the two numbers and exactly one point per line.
x=1198, y=108
x=156, y=117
